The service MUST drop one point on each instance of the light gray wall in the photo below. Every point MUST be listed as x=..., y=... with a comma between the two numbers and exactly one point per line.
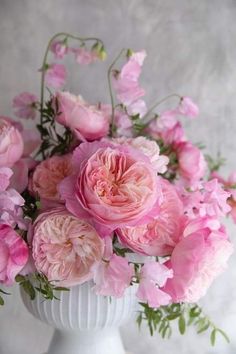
x=191, y=50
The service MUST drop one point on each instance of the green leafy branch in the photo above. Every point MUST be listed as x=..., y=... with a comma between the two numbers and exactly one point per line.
x=39, y=283
x=1, y=297
x=160, y=320
x=215, y=164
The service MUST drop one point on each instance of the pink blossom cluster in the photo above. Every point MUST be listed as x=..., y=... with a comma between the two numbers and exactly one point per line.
x=112, y=190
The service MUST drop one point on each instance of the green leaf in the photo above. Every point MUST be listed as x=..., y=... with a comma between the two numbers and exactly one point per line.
x=182, y=324
x=213, y=337
x=139, y=320
x=1, y=301
x=223, y=334
x=19, y=278
x=61, y=288
x=29, y=289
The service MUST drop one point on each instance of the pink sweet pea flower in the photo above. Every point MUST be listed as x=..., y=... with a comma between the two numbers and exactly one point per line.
x=113, y=276
x=11, y=143
x=13, y=254
x=112, y=185
x=25, y=105
x=32, y=141
x=196, y=261
x=55, y=75
x=88, y=122
x=84, y=56
x=126, y=82
x=59, y=49
x=187, y=107
x=154, y=275
x=10, y=208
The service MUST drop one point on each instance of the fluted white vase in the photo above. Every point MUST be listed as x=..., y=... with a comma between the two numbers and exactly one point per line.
x=84, y=322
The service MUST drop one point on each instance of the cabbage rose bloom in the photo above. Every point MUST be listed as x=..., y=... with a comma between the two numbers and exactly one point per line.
x=154, y=275
x=13, y=254
x=113, y=276
x=25, y=105
x=86, y=121
x=112, y=185
x=160, y=235
x=11, y=143
x=196, y=261
x=47, y=176
x=55, y=75
x=65, y=247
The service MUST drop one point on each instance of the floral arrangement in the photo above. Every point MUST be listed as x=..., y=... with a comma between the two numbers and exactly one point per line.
x=113, y=193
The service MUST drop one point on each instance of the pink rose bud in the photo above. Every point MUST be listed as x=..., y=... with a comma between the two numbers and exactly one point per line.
x=11, y=143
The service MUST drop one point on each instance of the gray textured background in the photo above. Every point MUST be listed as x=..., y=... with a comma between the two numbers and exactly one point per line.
x=191, y=50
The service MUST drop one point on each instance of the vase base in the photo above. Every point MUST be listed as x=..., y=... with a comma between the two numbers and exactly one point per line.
x=87, y=342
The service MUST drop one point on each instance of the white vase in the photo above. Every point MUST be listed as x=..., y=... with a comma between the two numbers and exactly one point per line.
x=85, y=322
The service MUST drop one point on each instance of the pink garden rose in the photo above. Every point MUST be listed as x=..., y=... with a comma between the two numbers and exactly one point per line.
x=47, y=176
x=13, y=254
x=55, y=75
x=88, y=122
x=65, y=248
x=11, y=143
x=25, y=105
x=113, y=276
x=113, y=185
x=192, y=165
x=196, y=261
x=154, y=275
x=159, y=236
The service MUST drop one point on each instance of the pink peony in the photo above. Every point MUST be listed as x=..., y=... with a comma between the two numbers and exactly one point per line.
x=192, y=165
x=59, y=49
x=196, y=261
x=159, y=236
x=25, y=105
x=65, y=248
x=86, y=121
x=11, y=143
x=187, y=107
x=113, y=276
x=126, y=82
x=13, y=254
x=55, y=75
x=154, y=275
x=48, y=174
x=113, y=185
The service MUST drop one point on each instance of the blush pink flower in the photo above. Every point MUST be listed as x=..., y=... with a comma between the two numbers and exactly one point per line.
x=187, y=107
x=126, y=82
x=55, y=75
x=48, y=174
x=149, y=148
x=192, y=165
x=113, y=276
x=10, y=208
x=159, y=236
x=196, y=261
x=65, y=248
x=11, y=143
x=113, y=185
x=32, y=141
x=88, y=122
x=84, y=56
x=154, y=275
x=21, y=170
x=25, y=105
x=59, y=49
x=13, y=254
x=5, y=175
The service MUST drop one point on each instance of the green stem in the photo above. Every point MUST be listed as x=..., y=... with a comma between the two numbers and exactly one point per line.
x=60, y=34
x=110, y=90
x=160, y=102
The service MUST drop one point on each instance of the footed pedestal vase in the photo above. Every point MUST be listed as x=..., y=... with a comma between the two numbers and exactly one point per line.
x=85, y=323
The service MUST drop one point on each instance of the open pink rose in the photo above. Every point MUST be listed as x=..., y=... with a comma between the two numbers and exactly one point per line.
x=88, y=122
x=11, y=143
x=113, y=185
x=196, y=261
x=113, y=276
x=65, y=247
x=159, y=236
x=13, y=254
x=47, y=176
